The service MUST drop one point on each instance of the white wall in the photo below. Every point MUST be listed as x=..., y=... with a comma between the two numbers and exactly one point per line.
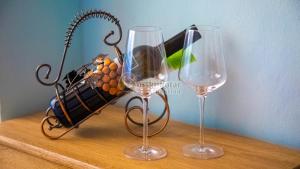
x=32, y=32
x=261, y=41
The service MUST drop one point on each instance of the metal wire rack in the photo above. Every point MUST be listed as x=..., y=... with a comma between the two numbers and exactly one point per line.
x=51, y=121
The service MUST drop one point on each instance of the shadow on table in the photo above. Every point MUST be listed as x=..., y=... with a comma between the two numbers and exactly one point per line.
x=297, y=167
x=100, y=132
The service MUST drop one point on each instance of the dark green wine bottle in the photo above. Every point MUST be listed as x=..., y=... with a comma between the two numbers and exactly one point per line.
x=173, y=49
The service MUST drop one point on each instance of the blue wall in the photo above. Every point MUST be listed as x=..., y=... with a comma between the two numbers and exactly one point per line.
x=32, y=32
x=261, y=41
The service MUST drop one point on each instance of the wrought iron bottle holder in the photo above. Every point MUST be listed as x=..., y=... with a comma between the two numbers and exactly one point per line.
x=50, y=121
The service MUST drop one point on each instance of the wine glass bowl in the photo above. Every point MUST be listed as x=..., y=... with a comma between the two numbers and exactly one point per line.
x=145, y=72
x=203, y=69
x=203, y=61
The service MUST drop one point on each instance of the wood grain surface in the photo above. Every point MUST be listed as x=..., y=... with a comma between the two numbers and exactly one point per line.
x=44, y=154
x=101, y=140
x=13, y=159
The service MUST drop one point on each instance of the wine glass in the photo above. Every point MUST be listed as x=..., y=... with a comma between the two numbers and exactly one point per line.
x=145, y=72
x=203, y=69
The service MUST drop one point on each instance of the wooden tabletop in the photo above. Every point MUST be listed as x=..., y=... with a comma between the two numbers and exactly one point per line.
x=101, y=140
x=13, y=159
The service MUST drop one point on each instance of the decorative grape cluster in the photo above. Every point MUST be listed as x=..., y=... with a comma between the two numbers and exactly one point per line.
x=107, y=75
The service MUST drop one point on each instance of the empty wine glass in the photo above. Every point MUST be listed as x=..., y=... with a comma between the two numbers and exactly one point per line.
x=203, y=68
x=145, y=72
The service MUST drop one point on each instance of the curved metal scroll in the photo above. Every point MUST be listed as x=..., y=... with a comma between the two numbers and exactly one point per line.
x=166, y=111
x=79, y=19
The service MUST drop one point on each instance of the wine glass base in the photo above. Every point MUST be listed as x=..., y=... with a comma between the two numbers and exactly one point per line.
x=139, y=153
x=204, y=152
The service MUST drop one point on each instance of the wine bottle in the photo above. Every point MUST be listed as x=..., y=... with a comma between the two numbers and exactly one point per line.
x=173, y=50
x=174, y=47
x=81, y=101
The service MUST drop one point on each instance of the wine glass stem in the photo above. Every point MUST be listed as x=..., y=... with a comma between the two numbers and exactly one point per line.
x=145, y=124
x=201, y=104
